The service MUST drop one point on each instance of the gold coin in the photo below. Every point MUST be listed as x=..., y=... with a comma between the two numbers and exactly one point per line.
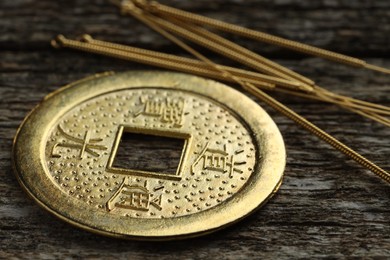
x=230, y=161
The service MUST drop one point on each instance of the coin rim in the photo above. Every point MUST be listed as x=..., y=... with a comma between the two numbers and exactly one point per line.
x=28, y=158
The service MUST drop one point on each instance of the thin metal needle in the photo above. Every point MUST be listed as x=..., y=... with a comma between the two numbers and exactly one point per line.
x=200, y=32
x=198, y=67
x=165, y=10
x=61, y=41
x=248, y=75
x=354, y=105
x=217, y=47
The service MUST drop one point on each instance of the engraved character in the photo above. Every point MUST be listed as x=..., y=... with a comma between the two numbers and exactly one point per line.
x=169, y=110
x=173, y=111
x=85, y=145
x=134, y=197
x=217, y=160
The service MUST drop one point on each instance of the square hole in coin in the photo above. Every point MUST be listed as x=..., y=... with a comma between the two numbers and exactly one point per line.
x=149, y=153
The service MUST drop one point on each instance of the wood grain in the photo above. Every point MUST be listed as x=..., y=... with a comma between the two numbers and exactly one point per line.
x=328, y=206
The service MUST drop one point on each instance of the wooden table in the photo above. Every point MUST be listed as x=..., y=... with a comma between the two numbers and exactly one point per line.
x=327, y=206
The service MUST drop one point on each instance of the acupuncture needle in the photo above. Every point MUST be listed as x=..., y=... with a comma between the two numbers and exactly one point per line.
x=242, y=73
x=158, y=8
x=216, y=47
x=248, y=75
x=161, y=61
x=61, y=41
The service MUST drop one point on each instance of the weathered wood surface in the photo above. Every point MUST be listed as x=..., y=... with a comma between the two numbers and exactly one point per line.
x=327, y=205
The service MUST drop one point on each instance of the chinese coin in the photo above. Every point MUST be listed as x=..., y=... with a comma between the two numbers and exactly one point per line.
x=68, y=155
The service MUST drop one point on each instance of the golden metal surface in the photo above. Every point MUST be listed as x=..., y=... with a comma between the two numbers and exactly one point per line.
x=232, y=159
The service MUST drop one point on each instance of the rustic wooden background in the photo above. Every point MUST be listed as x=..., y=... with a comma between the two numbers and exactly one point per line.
x=327, y=206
